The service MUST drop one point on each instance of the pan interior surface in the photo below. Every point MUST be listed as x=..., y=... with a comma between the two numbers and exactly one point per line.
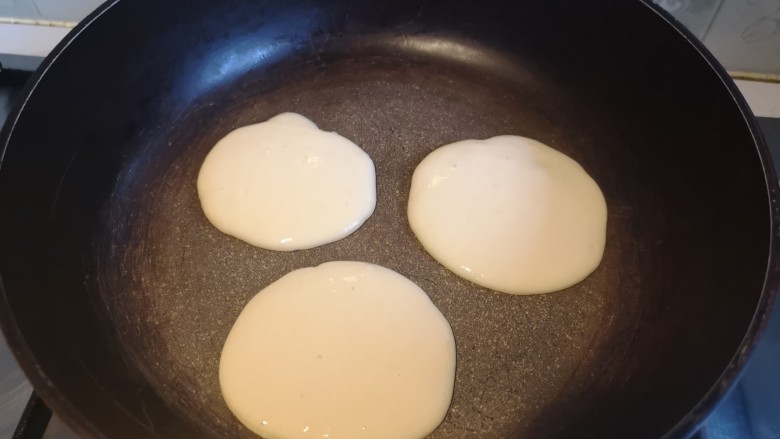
x=178, y=283
x=140, y=290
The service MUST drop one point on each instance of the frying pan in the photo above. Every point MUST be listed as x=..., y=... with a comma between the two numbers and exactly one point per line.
x=117, y=294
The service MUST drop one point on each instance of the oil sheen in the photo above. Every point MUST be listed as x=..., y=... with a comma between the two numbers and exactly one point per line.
x=284, y=184
x=341, y=350
x=509, y=213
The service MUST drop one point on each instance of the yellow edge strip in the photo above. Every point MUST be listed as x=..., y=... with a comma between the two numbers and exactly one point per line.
x=751, y=76
x=37, y=22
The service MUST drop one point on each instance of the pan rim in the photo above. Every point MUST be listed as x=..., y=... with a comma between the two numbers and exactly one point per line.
x=17, y=344
x=692, y=421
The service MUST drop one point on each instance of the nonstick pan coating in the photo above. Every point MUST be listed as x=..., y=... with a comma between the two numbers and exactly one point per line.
x=119, y=293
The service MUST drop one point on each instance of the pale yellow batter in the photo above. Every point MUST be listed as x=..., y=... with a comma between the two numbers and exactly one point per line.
x=509, y=213
x=341, y=350
x=284, y=184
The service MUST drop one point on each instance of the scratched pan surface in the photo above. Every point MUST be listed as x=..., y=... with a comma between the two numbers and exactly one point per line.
x=119, y=293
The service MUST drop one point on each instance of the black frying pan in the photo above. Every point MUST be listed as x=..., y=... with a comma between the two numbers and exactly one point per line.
x=118, y=294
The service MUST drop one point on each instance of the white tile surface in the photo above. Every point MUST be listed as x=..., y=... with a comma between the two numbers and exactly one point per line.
x=763, y=97
x=69, y=10
x=745, y=36
x=18, y=8
x=29, y=40
x=57, y=10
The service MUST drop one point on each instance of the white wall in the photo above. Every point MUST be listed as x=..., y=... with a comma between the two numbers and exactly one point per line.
x=54, y=10
x=743, y=34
